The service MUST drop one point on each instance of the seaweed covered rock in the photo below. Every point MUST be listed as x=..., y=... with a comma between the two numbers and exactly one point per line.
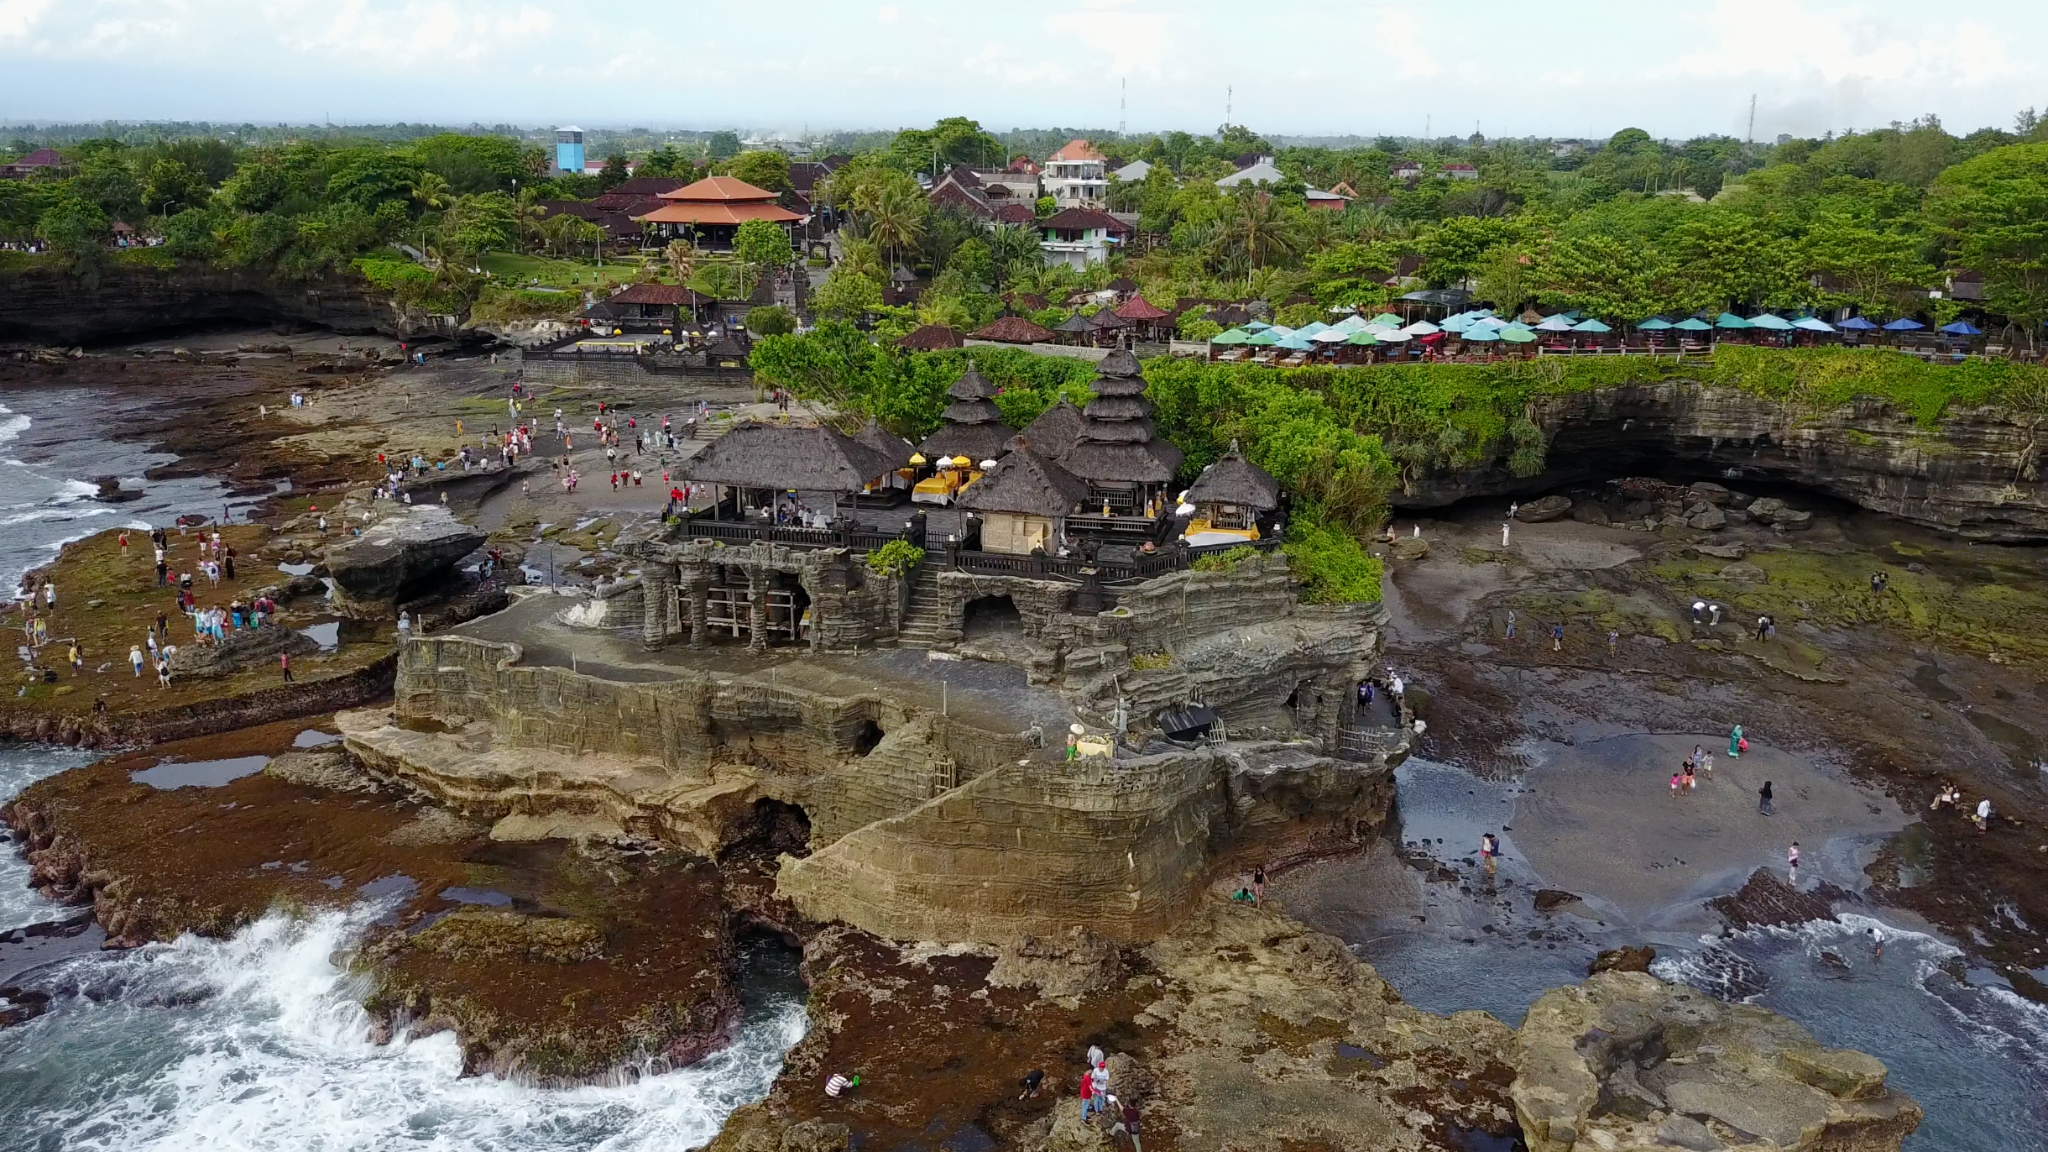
x=1627, y=1061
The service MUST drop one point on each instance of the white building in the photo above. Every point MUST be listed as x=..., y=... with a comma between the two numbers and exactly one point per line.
x=1078, y=237
x=1134, y=172
x=1076, y=176
x=1260, y=171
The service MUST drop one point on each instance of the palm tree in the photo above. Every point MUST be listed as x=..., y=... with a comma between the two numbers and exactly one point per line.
x=861, y=258
x=429, y=191
x=1261, y=231
x=682, y=260
x=896, y=220
x=529, y=212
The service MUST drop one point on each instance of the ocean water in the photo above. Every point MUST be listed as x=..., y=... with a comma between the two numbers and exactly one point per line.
x=1956, y=1038
x=259, y=1042
x=50, y=453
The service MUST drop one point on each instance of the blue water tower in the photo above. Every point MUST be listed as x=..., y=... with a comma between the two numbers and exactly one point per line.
x=569, y=150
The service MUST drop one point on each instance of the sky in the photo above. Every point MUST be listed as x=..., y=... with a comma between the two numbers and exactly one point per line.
x=1584, y=69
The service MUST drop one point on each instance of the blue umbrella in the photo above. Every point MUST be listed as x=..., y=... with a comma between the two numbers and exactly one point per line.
x=1482, y=334
x=1295, y=342
x=1654, y=324
x=1857, y=324
x=1902, y=324
x=1962, y=328
x=1811, y=324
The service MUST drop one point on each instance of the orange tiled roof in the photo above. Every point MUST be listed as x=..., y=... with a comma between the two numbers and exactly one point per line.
x=1076, y=150
x=716, y=212
x=718, y=188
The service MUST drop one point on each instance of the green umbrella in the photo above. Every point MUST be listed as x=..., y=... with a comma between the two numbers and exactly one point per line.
x=1730, y=320
x=1362, y=339
x=1518, y=334
x=1262, y=338
x=1233, y=336
x=1769, y=322
x=1387, y=318
x=1692, y=324
x=1591, y=326
x=1257, y=326
x=1654, y=324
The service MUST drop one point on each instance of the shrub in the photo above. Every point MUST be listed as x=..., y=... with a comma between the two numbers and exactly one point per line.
x=895, y=558
x=1225, y=561
x=1151, y=661
x=1331, y=565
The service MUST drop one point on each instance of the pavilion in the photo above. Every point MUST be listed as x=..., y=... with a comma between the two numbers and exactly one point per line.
x=710, y=211
x=778, y=473
x=1056, y=430
x=1024, y=502
x=1229, y=498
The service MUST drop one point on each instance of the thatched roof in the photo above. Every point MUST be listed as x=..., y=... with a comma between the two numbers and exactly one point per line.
x=1012, y=330
x=1026, y=483
x=1107, y=319
x=884, y=443
x=1057, y=429
x=1119, y=363
x=1150, y=462
x=977, y=442
x=1118, y=408
x=931, y=338
x=971, y=385
x=1074, y=323
x=785, y=456
x=1234, y=480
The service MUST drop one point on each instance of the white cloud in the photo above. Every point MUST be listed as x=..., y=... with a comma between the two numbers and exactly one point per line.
x=889, y=14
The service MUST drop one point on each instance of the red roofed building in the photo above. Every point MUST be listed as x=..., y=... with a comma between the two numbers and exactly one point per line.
x=1076, y=175
x=1011, y=330
x=713, y=208
x=40, y=160
x=1151, y=321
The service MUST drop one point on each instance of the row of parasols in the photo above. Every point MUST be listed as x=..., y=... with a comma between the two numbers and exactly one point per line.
x=1483, y=326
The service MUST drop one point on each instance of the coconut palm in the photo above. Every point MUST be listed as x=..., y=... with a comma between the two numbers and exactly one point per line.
x=529, y=212
x=681, y=259
x=1261, y=232
x=896, y=220
x=861, y=258
x=430, y=192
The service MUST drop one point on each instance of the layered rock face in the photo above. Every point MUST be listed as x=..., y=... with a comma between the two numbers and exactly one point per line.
x=1626, y=1061
x=48, y=305
x=399, y=553
x=1976, y=472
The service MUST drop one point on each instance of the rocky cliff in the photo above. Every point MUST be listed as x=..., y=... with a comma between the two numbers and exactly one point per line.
x=1975, y=471
x=51, y=306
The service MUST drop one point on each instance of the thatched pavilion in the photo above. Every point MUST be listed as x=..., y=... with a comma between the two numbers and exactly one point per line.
x=1056, y=430
x=1024, y=501
x=973, y=425
x=932, y=338
x=1229, y=498
x=1011, y=330
x=778, y=473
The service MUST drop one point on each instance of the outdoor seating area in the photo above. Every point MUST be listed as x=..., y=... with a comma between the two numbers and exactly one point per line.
x=1480, y=336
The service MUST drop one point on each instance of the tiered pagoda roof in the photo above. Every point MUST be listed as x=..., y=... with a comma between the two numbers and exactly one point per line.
x=1117, y=444
x=973, y=425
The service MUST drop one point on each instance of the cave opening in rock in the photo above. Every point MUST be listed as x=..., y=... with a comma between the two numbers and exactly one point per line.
x=991, y=616
x=777, y=827
x=868, y=738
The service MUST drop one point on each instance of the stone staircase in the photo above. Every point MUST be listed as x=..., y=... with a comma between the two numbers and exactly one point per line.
x=922, y=621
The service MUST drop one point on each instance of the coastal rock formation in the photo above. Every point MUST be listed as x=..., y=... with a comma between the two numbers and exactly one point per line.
x=396, y=555
x=241, y=649
x=1975, y=471
x=51, y=306
x=1626, y=1061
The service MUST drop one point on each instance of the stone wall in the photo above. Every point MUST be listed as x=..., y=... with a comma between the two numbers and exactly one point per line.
x=1121, y=846
x=851, y=607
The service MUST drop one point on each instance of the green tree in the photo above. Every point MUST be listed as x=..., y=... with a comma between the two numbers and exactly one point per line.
x=429, y=192
x=172, y=185
x=770, y=320
x=470, y=164
x=75, y=228
x=483, y=223
x=846, y=297
x=762, y=244
x=723, y=145
x=614, y=173
x=1992, y=213
x=110, y=184
x=765, y=170
x=953, y=140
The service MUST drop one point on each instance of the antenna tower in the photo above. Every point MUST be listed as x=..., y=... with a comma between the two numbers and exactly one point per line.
x=1123, y=90
x=1752, y=119
x=1229, y=91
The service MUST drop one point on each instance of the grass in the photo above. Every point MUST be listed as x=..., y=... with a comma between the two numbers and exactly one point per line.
x=129, y=600
x=519, y=269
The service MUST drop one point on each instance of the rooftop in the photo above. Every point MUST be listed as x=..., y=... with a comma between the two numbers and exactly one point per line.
x=1076, y=150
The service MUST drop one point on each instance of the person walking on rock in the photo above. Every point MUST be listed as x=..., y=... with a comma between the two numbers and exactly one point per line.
x=1557, y=637
x=1735, y=742
x=284, y=664
x=1983, y=816
x=1763, y=799
x=1489, y=851
x=1792, y=863
x=135, y=658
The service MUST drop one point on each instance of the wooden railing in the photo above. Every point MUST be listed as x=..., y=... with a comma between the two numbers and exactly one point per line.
x=858, y=539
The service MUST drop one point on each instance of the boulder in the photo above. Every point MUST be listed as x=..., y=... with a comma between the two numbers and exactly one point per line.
x=1791, y=520
x=1551, y=899
x=1771, y=510
x=1409, y=548
x=1765, y=899
x=1587, y=512
x=1743, y=573
x=328, y=768
x=244, y=648
x=1722, y=551
x=1625, y=1060
x=1708, y=492
x=1635, y=959
x=1708, y=518
x=1540, y=511
x=398, y=555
